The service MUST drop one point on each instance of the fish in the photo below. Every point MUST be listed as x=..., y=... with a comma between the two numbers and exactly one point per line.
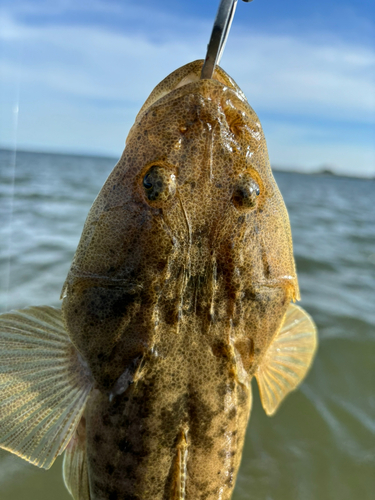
x=181, y=291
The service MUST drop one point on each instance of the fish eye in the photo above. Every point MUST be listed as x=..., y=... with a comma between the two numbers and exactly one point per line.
x=246, y=192
x=159, y=183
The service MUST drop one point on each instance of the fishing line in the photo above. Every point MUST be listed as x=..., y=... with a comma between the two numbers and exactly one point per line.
x=13, y=166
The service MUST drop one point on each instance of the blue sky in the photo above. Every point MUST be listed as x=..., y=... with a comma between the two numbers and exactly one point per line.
x=75, y=73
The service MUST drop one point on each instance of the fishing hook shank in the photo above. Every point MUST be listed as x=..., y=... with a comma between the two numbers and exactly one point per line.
x=219, y=35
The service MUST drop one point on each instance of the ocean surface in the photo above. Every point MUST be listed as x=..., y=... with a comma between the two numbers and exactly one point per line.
x=320, y=445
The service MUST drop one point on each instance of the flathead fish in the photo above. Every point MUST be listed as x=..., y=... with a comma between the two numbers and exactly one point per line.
x=181, y=290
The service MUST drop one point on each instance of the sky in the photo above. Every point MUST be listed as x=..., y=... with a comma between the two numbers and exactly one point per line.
x=73, y=74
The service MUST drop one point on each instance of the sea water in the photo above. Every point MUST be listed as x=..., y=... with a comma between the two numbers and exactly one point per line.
x=320, y=445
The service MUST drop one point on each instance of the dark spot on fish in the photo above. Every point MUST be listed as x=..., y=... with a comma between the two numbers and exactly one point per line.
x=119, y=306
x=220, y=349
x=106, y=420
x=232, y=413
x=221, y=431
x=204, y=488
x=113, y=495
x=130, y=471
x=98, y=486
x=171, y=418
x=106, y=381
x=205, y=495
x=161, y=265
x=249, y=294
x=109, y=468
x=98, y=439
x=107, y=303
x=226, y=453
x=201, y=417
x=123, y=445
x=170, y=313
x=114, y=407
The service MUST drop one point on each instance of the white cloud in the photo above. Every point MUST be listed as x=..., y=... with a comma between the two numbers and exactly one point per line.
x=295, y=75
x=89, y=61
x=290, y=148
x=94, y=80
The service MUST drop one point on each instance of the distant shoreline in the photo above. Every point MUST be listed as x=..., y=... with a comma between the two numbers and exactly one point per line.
x=324, y=171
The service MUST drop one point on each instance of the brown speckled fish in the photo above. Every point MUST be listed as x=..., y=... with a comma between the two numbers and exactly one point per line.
x=179, y=293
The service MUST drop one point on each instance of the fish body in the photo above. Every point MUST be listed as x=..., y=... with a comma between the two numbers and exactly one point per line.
x=179, y=293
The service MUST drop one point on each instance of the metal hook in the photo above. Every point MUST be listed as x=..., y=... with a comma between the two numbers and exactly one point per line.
x=219, y=35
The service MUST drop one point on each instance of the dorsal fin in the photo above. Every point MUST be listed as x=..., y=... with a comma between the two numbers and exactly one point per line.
x=287, y=359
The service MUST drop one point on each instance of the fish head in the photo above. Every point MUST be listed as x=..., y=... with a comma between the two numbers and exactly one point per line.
x=190, y=210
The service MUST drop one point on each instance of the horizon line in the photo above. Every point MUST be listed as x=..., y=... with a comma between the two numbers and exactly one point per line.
x=323, y=170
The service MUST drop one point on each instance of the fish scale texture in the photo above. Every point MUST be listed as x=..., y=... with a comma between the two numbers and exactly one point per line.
x=182, y=276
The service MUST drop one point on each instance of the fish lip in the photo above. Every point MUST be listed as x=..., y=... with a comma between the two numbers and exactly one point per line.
x=202, y=90
x=191, y=71
x=195, y=88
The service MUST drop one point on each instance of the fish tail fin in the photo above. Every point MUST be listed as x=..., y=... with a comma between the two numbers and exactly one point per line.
x=44, y=385
x=288, y=358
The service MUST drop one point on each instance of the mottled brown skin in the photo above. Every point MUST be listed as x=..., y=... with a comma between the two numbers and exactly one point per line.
x=185, y=289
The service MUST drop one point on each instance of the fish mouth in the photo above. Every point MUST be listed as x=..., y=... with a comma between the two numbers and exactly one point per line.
x=221, y=88
x=188, y=74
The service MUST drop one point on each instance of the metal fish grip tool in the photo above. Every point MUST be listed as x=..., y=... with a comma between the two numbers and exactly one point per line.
x=219, y=35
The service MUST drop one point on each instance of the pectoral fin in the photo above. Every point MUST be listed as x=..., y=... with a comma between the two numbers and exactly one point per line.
x=44, y=385
x=287, y=359
x=75, y=471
